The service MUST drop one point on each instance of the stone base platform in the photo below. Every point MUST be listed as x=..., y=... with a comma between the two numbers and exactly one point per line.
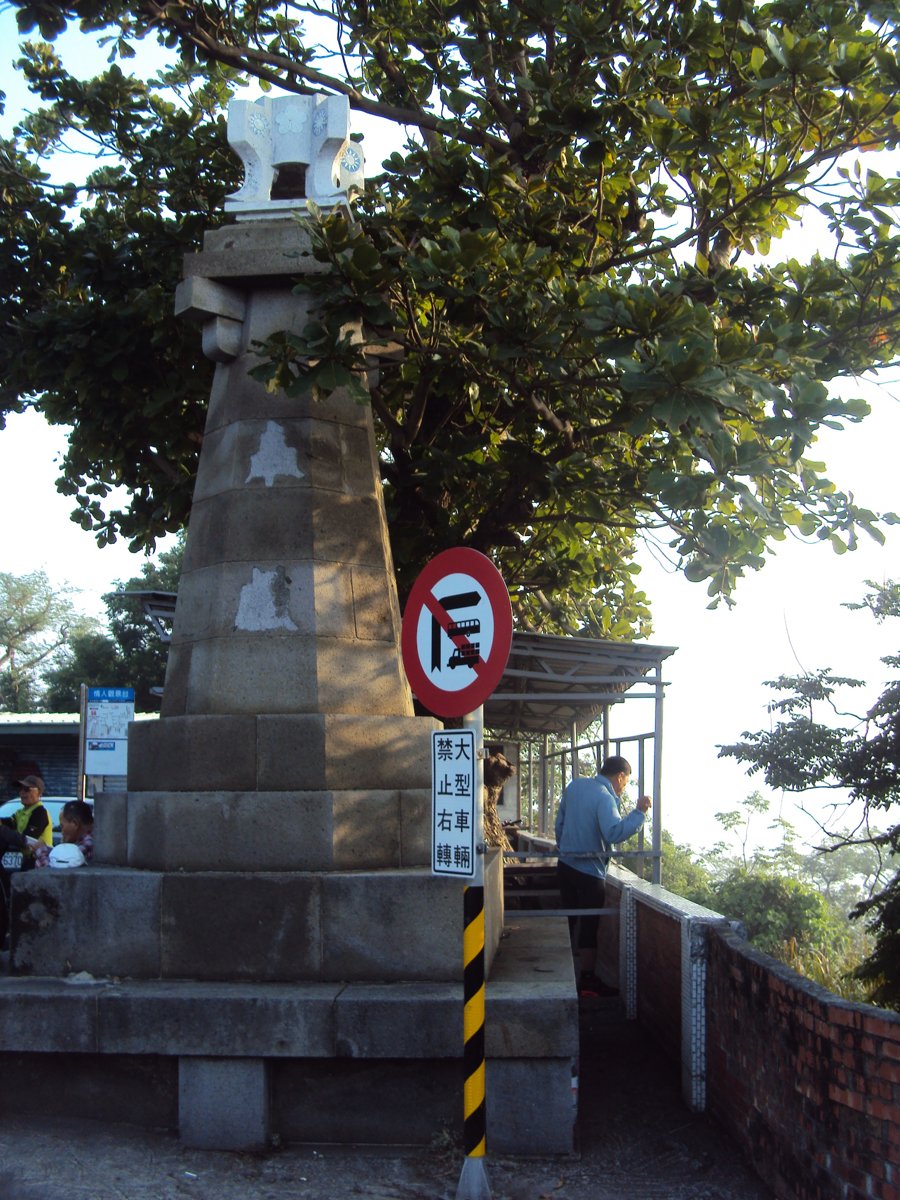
x=265, y=927
x=234, y=1066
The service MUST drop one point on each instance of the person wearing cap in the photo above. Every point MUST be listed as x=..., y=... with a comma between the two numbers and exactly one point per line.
x=31, y=821
x=20, y=835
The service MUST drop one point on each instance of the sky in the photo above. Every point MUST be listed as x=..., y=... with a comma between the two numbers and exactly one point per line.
x=788, y=618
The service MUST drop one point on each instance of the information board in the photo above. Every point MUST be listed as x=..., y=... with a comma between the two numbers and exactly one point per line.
x=107, y=714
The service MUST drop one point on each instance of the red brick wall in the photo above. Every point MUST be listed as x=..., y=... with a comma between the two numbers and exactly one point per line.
x=808, y=1084
x=659, y=977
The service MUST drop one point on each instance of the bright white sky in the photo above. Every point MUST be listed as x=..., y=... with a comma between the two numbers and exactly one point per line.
x=789, y=617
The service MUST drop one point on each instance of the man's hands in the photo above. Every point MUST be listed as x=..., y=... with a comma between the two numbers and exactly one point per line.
x=644, y=803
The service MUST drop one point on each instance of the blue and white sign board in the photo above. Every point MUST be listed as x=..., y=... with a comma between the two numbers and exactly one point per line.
x=455, y=832
x=107, y=714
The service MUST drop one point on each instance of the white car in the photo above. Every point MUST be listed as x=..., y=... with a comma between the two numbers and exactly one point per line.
x=53, y=805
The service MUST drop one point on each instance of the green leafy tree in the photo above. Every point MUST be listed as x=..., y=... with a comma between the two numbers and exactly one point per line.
x=681, y=872
x=562, y=252
x=774, y=909
x=817, y=746
x=131, y=654
x=36, y=622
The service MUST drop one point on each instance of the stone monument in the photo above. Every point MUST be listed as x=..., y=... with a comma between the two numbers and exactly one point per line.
x=263, y=887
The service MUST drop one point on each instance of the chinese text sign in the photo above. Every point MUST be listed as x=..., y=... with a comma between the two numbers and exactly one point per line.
x=455, y=836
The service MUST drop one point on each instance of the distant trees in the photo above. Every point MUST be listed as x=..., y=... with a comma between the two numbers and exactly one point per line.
x=815, y=745
x=130, y=654
x=778, y=896
x=37, y=622
x=48, y=649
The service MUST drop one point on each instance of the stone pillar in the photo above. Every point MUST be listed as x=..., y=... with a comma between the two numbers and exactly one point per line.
x=276, y=825
x=284, y=667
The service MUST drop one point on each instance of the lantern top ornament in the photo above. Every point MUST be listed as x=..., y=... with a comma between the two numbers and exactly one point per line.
x=295, y=150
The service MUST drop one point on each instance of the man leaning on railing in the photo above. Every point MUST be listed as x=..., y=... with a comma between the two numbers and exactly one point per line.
x=589, y=823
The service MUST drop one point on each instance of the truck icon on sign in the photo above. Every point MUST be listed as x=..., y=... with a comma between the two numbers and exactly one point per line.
x=468, y=652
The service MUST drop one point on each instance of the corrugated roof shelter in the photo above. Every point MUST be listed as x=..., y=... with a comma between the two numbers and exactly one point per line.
x=552, y=684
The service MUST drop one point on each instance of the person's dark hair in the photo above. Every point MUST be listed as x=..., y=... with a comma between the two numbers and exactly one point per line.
x=78, y=810
x=614, y=764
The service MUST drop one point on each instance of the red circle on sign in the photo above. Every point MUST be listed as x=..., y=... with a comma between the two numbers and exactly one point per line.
x=423, y=600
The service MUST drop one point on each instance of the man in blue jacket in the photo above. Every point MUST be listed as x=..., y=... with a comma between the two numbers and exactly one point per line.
x=589, y=823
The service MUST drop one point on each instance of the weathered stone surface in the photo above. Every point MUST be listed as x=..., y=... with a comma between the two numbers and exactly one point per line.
x=111, y=828
x=335, y=615
x=291, y=752
x=253, y=675
x=223, y=1103
x=275, y=926
x=292, y=831
x=401, y=1020
x=324, y=1046
x=255, y=252
x=251, y=455
x=366, y=830
x=171, y=831
x=530, y=1105
x=281, y=752
x=415, y=827
x=264, y=927
x=533, y=959
x=347, y=529
x=103, y=920
x=376, y=616
x=213, y=598
x=197, y=752
x=378, y=751
x=343, y=751
x=360, y=678
x=531, y=1011
x=261, y=1020
x=391, y=925
x=54, y=1017
x=233, y=398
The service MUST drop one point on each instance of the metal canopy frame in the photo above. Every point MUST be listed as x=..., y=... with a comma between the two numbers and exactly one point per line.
x=552, y=684
x=556, y=688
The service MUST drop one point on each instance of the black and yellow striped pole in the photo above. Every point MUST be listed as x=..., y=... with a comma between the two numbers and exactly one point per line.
x=473, y=1181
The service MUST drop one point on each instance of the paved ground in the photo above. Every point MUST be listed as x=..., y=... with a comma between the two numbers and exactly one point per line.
x=636, y=1141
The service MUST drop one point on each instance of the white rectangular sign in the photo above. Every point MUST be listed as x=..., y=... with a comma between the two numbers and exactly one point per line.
x=454, y=781
x=107, y=714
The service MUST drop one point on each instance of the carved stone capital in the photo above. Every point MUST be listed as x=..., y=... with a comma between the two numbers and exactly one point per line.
x=295, y=150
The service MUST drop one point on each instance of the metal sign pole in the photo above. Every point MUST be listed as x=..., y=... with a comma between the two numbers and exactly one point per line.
x=82, y=718
x=473, y=1180
x=459, y=597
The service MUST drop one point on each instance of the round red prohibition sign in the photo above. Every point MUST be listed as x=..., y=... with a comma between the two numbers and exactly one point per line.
x=457, y=632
